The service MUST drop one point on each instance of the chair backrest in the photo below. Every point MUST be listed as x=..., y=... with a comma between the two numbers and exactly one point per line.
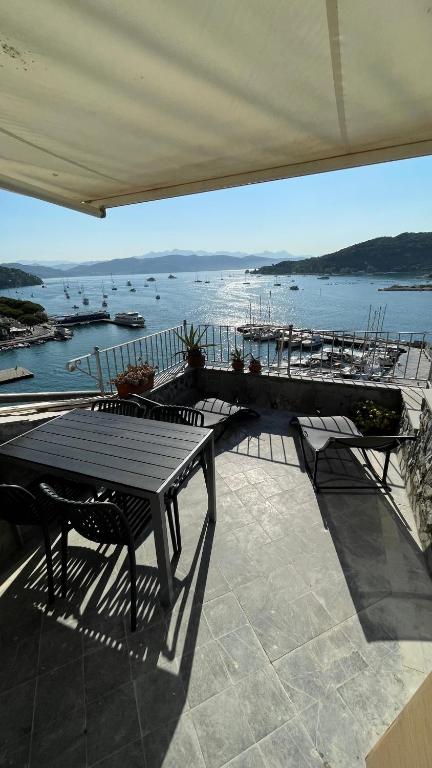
x=144, y=402
x=118, y=407
x=18, y=506
x=99, y=521
x=371, y=442
x=177, y=414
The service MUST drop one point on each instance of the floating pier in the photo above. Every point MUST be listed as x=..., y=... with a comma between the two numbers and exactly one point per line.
x=14, y=374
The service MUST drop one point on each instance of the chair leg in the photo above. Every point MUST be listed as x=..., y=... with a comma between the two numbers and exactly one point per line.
x=386, y=466
x=64, y=560
x=315, y=472
x=49, y=563
x=133, y=589
x=171, y=523
x=177, y=521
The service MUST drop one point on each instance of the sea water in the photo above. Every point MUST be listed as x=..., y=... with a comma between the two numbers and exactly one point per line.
x=340, y=303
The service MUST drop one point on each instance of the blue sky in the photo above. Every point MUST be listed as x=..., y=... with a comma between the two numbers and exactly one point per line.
x=310, y=215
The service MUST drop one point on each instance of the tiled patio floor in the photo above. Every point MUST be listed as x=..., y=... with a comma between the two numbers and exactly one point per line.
x=289, y=645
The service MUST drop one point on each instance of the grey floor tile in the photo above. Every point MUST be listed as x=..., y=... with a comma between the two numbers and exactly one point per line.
x=105, y=670
x=100, y=631
x=298, y=734
x=251, y=758
x=260, y=595
x=161, y=697
x=375, y=697
x=222, y=729
x=242, y=653
x=59, y=644
x=251, y=537
x=187, y=627
x=130, y=756
x=210, y=585
x=61, y=747
x=336, y=734
x=15, y=756
x=291, y=624
x=148, y=649
x=174, y=745
x=224, y=614
x=307, y=671
x=203, y=673
x=112, y=722
x=236, y=481
x=264, y=701
x=236, y=567
x=280, y=751
x=59, y=695
x=19, y=660
x=16, y=707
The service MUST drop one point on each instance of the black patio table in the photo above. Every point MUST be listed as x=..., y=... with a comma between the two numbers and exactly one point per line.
x=140, y=457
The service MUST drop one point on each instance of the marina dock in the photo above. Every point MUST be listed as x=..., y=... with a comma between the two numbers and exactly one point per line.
x=14, y=374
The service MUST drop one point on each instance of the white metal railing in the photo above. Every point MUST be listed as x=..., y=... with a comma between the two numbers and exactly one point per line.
x=163, y=350
x=282, y=350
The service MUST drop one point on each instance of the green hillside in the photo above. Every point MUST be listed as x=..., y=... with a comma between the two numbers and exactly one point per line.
x=407, y=253
x=25, y=312
x=16, y=278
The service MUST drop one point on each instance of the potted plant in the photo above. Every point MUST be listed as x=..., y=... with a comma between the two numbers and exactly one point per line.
x=135, y=379
x=237, y=360
x=194, y=354
x=255, y=365
x=373, y=419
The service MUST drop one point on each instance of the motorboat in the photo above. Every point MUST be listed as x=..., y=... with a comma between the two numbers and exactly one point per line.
x=131, y=319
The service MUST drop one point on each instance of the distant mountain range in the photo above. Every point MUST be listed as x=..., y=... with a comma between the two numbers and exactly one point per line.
x=171, y=261
x=408, y=252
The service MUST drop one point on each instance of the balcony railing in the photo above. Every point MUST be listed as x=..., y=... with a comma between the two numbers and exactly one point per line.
x=359, y=355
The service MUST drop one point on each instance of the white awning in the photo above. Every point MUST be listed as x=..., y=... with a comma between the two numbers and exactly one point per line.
x=104, y=103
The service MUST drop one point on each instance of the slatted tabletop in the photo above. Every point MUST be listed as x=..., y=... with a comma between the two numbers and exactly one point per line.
x=139, y=455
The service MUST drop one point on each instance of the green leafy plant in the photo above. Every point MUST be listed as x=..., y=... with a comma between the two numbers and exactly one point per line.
x=255, y=364
x=373, y=419
x=237, y=356
x=192, y=339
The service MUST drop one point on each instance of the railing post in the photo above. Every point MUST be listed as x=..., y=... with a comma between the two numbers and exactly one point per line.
x=290, y=330
x=99, y=374
x=280, y=350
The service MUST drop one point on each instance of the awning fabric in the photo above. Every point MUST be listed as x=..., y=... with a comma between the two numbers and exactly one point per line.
x=108, y=102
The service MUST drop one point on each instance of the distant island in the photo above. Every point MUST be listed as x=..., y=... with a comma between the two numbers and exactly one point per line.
x=11, y=277
x=419, y=287
x=408, y=253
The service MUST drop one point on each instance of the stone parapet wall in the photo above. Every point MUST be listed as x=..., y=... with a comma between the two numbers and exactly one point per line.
x=416, y=467
x=294, y=394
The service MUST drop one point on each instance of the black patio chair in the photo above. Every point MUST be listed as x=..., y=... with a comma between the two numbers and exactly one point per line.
x=114, y=518
x=118, y=407
x=179, y=414
x=322, y=432
x=29, y=506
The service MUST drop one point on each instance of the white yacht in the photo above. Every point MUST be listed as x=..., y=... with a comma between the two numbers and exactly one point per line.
x=133, y=319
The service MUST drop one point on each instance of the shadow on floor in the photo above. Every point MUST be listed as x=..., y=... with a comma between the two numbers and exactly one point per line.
x=80, y=666
x=383, y=567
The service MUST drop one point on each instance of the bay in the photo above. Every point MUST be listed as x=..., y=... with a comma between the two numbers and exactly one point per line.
x=340, y=303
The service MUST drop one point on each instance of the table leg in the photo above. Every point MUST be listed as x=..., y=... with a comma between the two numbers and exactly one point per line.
x=162, y=549
x=211, y=479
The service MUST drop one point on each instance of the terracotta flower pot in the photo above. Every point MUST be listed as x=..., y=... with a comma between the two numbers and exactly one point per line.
x=255, y=366
x=237, y=365
x=125, y=389
x=195, y=358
